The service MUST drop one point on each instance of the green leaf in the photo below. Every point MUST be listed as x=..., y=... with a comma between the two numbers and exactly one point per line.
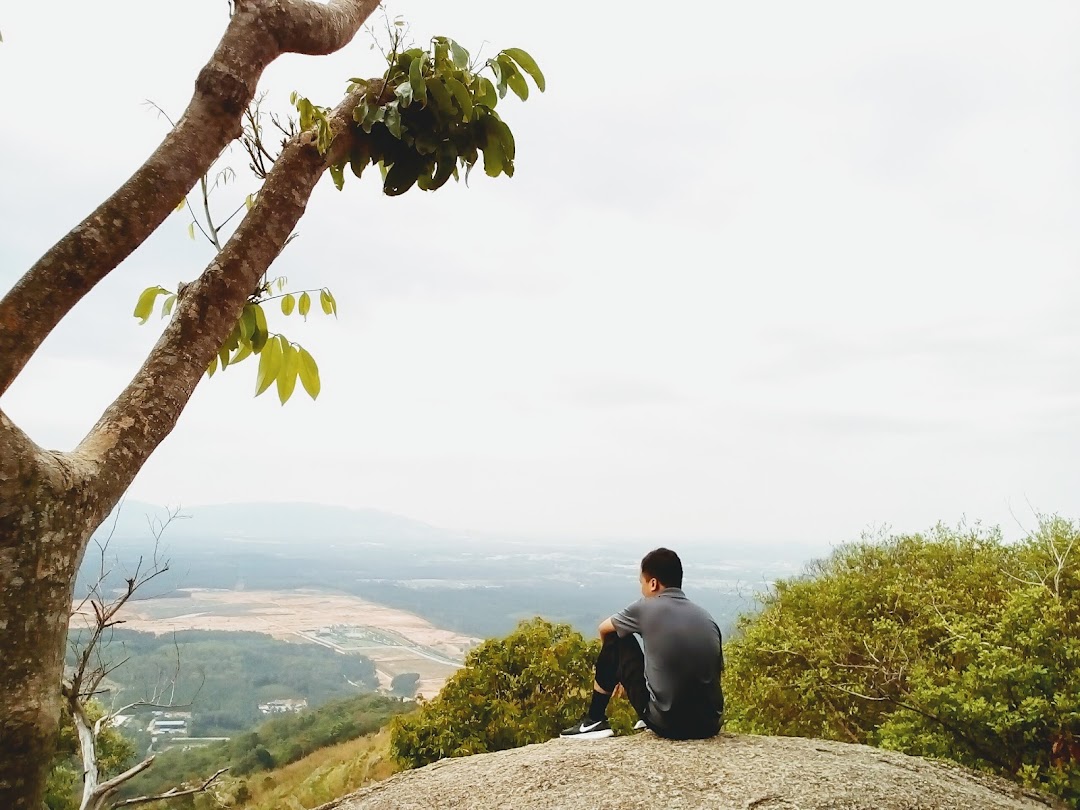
x=248, y=324
x=167, y=307
x=485, y=92
x=287, y=370
x=500, y=77
x=180, y=205
x=223, y=356
x=375, y=113
x=442, y=51
x=324, y=300
x=249, y=201
x=437, y=90
x=210, y=369
x=445, y=170
x=269, y=365
x=401, y=177
x=416, y=79
x=528, y=64
x=404, y=93
x=493, y=156
x=460, y=55
x=288, y=303
x=262, y=334
x=191, y=230
x=309, y=373
x=497, y=128
x=305, y=305
x=514, y=80
x=462, y=96
x=243, y=354
x=144, y=308
x=337, y=172
x=360, y=115
x=392, y=120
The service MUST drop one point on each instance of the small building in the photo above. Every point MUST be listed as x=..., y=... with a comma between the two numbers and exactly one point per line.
x=283, y=706
x=159, y=726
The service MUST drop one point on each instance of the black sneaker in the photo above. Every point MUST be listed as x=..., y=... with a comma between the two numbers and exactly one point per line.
x=589, y=729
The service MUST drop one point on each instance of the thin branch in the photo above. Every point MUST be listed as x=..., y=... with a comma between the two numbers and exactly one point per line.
x=170, y=794
x=213, y=237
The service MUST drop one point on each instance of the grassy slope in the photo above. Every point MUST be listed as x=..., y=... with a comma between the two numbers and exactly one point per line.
x=327, y=774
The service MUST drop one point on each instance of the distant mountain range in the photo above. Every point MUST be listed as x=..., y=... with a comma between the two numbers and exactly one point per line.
x=272, y=522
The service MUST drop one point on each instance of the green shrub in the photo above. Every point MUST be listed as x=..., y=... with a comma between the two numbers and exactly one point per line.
x=952, y=644
x=521, y=689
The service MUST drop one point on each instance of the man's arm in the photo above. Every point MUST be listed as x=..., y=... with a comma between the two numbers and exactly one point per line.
x=625, y=622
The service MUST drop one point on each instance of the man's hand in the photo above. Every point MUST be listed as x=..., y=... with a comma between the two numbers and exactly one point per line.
x=618, y=691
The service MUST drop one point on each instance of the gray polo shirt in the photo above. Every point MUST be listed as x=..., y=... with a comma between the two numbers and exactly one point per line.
x=683, y=660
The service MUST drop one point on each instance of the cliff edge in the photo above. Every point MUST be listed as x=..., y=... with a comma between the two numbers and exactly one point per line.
x=739, y=772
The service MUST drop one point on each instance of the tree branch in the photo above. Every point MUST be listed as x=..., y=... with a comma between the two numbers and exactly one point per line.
x=103, y=791
x=170, y=794
x=207, y=310
x=259, y=32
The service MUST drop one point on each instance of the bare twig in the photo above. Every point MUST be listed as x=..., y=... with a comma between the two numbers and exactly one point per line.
x=170, y=794
x=91, y=668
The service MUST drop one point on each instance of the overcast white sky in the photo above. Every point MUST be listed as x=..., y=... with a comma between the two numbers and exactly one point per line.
x=767, y=271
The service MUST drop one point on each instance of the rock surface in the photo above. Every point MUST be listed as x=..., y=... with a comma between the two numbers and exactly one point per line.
x=733, y=771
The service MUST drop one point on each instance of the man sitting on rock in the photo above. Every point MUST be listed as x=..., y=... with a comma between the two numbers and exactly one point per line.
x=674, y=685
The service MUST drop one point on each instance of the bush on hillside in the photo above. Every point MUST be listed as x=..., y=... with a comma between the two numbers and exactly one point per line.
x=405, y=684
x=521, y=689
x=953, y=644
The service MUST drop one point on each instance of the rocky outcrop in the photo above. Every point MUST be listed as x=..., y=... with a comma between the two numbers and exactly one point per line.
x=736, y=772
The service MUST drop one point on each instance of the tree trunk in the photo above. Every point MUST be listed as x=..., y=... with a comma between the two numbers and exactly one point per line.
x=45, y=523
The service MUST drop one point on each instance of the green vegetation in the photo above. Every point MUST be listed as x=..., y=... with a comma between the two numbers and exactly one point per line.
x=951, y=644
x=276, y=743
x=316, y=779
x=513, y=691
x=405, y=684
x=225, y=675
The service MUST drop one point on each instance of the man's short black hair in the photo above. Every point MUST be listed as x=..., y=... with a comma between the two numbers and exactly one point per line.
x=664, y=565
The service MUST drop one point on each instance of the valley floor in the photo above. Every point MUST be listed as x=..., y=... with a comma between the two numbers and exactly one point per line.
x=395, y=640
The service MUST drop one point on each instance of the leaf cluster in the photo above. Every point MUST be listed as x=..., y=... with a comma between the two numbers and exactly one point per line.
x=281, y=362
x=431, y=114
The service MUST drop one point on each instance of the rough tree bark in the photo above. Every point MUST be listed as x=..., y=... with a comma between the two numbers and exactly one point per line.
x=51, y=502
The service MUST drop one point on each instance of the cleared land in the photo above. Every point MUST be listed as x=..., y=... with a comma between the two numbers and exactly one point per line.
x=395, y=640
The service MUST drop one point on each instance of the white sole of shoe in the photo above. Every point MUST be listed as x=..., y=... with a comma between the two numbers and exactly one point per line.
x=589, y=735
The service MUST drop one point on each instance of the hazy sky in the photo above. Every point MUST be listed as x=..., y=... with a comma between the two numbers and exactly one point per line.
x=766, y=271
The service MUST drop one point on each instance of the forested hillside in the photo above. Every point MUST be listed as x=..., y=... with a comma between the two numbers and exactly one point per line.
x=224, y=676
